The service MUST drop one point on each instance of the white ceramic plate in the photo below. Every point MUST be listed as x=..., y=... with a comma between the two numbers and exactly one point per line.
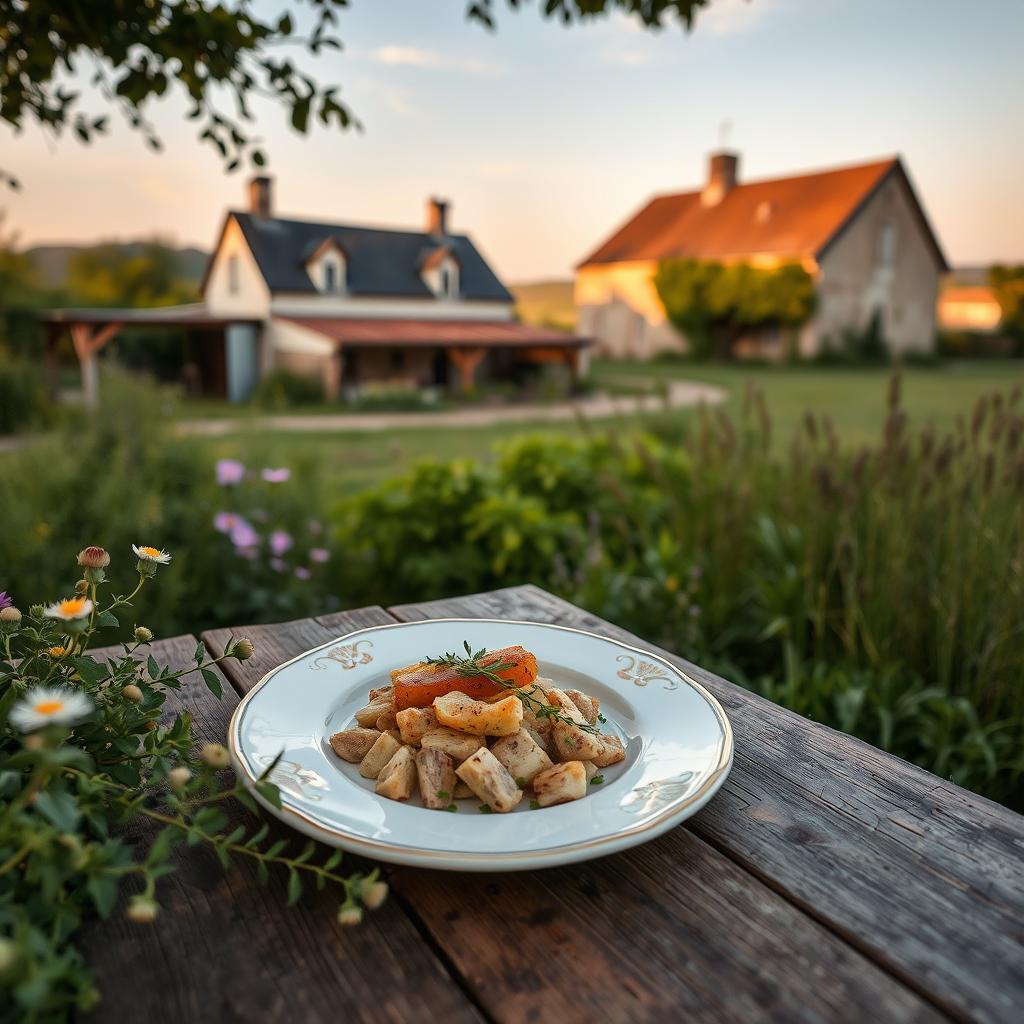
x=677, y=737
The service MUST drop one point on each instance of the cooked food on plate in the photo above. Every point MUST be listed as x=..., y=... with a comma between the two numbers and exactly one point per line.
x=482, y=725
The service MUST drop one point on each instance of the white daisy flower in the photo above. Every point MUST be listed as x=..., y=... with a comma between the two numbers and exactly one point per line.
x=70, y=609
x=145, y=554
x=43, y=705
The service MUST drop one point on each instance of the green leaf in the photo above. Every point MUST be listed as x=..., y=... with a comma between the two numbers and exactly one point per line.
x=212, y=682
x=103, y=891
x=91, y=671
x=270, y=793
x=107, y=620
x=59, y=809
x=200, y=656
x=294, y=888
x=153, y=668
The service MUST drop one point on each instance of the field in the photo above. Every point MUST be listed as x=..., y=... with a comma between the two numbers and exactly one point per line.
x=854, y=399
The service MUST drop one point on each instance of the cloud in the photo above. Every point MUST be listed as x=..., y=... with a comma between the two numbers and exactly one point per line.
x=730, y=17
x=415, y=57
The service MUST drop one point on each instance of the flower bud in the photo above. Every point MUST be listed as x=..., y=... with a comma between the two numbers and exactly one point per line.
x=151, y=725
x=350, y=916
x=241, y=649
x=143, y=635
x=215, y=755
x=142, y=910
x=177, y=778
x=10, y=619
x=82, y=588
x=36, y=611
x=133, y=693
x=93, y=557
x=373, y=894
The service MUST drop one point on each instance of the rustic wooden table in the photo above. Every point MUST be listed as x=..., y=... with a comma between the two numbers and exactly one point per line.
x=827, y=881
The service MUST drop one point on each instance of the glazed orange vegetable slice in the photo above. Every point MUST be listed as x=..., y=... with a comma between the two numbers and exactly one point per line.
x=416, y=686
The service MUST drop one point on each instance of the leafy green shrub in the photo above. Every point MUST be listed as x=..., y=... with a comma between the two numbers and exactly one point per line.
x=282, y=389
x=884, y=580
x=83, y=757
x=120, y=473
x=24, y=402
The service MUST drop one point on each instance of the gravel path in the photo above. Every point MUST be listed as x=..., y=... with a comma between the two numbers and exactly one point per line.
x=680, y=395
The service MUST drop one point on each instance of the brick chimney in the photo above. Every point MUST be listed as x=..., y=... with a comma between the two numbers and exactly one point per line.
x=722, y=173
x=261, y=196
x=437, y=216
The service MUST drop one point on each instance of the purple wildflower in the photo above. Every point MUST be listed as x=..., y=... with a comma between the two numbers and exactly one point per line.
x=5, y=600
x=302, y=573
x=280, y=541
x=320, y=555
x=315, y=527
x=229, y=472
x=278, y=565
x=276, y=476
x=225, y=522
x=248, y=553
x=243, y=535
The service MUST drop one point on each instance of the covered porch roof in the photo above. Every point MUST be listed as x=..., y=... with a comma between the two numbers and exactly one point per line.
x=193, y=315
x=372, y=332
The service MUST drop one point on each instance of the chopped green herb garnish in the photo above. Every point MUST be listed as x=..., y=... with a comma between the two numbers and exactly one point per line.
x=521, y=783
x=601, y=718
x=534, y=806
x=597, y=780
x=486, y=809
x=452, y=808
x=443, y=794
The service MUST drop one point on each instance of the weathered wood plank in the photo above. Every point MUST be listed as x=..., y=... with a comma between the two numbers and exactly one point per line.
x=920, y=875
x=282, y=641
x=226, y=948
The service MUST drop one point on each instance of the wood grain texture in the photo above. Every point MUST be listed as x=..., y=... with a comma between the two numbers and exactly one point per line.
x=921, y=876
x=225, y=948
x=282, y=641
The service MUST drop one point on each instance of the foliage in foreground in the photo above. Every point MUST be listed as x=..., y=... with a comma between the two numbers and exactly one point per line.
x=880, y=591
x=85, y=751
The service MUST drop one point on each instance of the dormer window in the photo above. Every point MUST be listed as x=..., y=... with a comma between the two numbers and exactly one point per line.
x=440, y=271
x=327, y=268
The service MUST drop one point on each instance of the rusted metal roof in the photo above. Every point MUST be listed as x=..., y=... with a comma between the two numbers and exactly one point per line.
x=441, y=333
x=790, y=218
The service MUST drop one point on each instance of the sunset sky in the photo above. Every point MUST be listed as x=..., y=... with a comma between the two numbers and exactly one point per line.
x=545, y=138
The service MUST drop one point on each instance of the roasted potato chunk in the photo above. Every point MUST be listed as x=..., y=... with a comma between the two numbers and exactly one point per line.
x=457, y=745
x=462, y=791
x=490, y=781
x=386, y=722
x=560, y=784
x=383, y=749
x=571, y=742
x=591, y=769
x=398, y=777
x=378, y=692
x=588, y=706
x=436, y=772
x=413, y=723
x=457, y=711
x=612, y=751
x=352, y=744
x=368, y=716
x=521, y=755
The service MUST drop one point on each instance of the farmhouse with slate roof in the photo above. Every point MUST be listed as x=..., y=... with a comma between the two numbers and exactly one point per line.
x=350, y=305
x=859, y=231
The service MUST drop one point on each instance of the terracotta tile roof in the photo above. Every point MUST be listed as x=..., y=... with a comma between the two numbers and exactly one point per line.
x=789, y=217
x=444, y=333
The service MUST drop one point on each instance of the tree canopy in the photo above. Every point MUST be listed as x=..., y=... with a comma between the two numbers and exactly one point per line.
x=713, y=303
x=221, y=56
x=1007, y=284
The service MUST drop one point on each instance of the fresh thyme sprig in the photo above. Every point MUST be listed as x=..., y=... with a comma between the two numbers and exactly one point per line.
x=469, y=664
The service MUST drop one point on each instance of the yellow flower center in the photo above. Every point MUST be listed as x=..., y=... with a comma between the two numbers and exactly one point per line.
x=56, y=652
x=72, y=606
x=48, y=707
x=152, y=552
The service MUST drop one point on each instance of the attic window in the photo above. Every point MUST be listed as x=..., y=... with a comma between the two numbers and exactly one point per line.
x=449, y=279
x=764, y=211
x=327, y=269
x=233, y=274
x=330, y=277
x=887, y=244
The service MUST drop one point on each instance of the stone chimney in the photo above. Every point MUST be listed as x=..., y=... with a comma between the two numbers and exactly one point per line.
x=260, y=196
x=722, y=172
x=437, y=216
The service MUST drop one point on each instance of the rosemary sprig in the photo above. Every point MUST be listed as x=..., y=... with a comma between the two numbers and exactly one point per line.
x=469, y=664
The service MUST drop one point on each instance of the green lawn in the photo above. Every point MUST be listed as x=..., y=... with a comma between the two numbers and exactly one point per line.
x=854, y=398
